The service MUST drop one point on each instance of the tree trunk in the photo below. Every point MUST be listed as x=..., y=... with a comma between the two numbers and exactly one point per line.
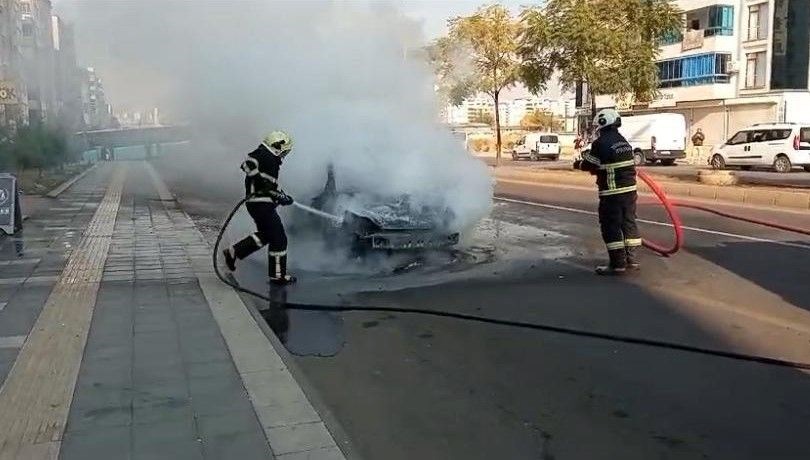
x=495, y=96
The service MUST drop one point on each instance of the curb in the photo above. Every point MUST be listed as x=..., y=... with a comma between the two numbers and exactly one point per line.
x=68, y=183
x=745, y=194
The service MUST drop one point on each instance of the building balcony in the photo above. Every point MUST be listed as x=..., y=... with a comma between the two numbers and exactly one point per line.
x=694, y=42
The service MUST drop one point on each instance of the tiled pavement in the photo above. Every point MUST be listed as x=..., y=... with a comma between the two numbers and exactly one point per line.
x=31, y=261
x=173, y=367
x=157, y=380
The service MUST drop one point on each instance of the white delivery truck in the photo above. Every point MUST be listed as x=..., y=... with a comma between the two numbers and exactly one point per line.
x=654, y=137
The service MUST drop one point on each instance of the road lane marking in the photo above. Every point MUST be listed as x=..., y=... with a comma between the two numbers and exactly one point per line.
x=15, y=341
x=685, y=199
x=3, y=305
x=660, y=224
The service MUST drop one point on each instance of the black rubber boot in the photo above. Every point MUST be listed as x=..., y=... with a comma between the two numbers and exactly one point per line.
x=278, y=269
x=631, y=254
x=617, y=265
x=230, y=260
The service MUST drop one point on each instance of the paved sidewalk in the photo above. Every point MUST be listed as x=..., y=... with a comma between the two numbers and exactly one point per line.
x=173, y=366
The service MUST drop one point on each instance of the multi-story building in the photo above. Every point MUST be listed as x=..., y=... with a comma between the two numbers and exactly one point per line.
x=97, y=113
x=511, y=111
x=737, y=63
x=68, y=96
x=38, y=58
x=13, y=91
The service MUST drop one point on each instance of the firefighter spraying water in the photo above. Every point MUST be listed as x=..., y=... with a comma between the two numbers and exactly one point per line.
x=263, y=196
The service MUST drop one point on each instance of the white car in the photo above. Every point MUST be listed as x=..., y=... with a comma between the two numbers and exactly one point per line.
x=780, y=146
x=535, y=146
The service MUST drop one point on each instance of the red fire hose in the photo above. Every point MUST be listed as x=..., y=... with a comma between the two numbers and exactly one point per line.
x=677, y=224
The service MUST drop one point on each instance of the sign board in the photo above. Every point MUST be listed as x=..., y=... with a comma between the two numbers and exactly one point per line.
x=8, y=93
x=692, y=40
x=10, y=213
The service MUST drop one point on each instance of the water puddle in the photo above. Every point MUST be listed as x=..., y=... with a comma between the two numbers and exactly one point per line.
x=304, y=333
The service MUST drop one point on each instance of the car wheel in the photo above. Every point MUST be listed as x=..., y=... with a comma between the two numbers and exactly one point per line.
x=555, y=158
x=718, y=162
x=535, y=158
x=782, y=164
x=514, y=157
x=807, y=168
x=668, y=162
x=638, y=158
x=745, y=168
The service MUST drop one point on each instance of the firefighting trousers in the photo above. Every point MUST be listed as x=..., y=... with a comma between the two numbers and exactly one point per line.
x=617, y=219
x=269, y=232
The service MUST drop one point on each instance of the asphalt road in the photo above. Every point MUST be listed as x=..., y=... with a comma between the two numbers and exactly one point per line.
x=406, y=386
x=797, y=178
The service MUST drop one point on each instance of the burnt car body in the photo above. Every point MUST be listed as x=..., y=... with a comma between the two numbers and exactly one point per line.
x=386, y=223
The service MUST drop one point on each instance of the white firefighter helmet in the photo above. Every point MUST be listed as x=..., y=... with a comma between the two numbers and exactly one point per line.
x=279, y=143
x=605, y=118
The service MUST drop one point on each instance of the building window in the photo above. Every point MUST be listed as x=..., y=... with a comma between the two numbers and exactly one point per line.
x=721, y=20
x=28, y=30
x=701, y=69
x=758, y=21
x=755, y=70
x=25, y=8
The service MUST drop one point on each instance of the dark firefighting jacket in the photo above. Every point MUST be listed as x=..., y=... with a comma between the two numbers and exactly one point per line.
x=611, y=160
x=261, y=169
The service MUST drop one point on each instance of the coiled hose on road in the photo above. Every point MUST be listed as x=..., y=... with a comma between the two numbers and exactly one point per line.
x=518, y=324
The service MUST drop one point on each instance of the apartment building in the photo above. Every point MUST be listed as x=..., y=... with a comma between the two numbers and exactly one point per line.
x=13, y=90
x=511, y=111
x=36, y=44
x=738, y=62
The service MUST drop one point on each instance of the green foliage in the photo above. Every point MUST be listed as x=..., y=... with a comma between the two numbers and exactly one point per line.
x=480, y=54
x=35, y=147
x=483, y=117
x=540, y=120
x=610, y=44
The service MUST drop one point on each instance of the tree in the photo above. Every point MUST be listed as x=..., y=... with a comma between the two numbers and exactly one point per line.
x=541, y=120
x=480, y=54
x=611, y=45
x=482, y=117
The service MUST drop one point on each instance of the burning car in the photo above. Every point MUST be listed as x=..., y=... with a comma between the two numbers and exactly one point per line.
x=387, y=223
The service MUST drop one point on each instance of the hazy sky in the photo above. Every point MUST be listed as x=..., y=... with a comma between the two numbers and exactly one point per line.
x=434, y=13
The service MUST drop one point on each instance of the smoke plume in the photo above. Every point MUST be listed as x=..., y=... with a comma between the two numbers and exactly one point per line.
x=344, y=78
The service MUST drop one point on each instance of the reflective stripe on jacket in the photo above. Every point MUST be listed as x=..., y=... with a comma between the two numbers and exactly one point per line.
x=611, y=160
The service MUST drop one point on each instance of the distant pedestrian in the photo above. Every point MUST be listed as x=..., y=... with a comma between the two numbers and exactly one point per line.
x=698, y=138
x=579, y=142
x=697, y=141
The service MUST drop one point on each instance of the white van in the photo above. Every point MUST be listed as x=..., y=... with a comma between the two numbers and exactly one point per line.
x=654, y=137
x=535, y=146
x=780, y=146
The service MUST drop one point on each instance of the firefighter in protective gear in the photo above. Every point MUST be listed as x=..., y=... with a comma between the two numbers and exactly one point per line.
x=611, y=161
x=264, y=195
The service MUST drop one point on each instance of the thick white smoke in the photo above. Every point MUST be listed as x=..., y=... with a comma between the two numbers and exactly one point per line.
x=340, y=76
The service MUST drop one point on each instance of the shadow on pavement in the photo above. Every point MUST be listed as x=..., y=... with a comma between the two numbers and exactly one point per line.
x=779, y=269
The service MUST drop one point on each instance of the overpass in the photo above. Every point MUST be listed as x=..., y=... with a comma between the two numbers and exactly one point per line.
x=150, y=137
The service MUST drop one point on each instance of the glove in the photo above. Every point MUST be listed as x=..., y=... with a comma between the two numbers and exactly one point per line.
x=285, y=200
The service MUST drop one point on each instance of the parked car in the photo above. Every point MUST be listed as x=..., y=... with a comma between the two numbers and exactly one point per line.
x=779, y=146
x=656, y=137
x=535, y=146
